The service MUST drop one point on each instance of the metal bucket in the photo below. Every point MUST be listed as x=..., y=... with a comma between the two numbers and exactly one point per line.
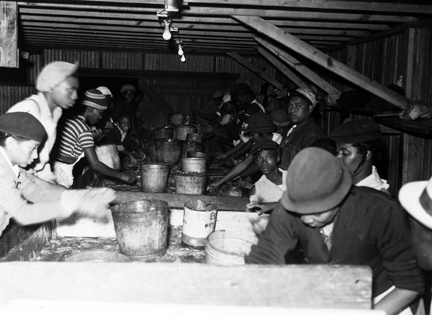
x=194, y=137
x=153, y=151
x=182, y=131
x=168, y=150
x=142, y=228
x=191, y=147
x=228, y=248
x=205, y=155
x=194, y=165
x=199, y=221
x=190, y=184
x=163, y=133
x=154, y=177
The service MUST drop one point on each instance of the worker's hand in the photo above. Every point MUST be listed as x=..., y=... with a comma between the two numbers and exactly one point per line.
x=259, y=224
x=128, y=178
x=92, y=202
x=97, y=133
x=254, y=206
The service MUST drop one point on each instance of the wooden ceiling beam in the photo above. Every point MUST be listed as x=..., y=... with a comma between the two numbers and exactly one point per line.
x=283, y=68
x=215, y=11
x=298, y=4
x=298, y=66
x=253, y=68
x=28, y=24
x=207, y=20
x=304, y=49
x=155, y=24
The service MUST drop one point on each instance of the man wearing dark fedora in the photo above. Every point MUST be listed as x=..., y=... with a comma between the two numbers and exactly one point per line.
x=335, y=222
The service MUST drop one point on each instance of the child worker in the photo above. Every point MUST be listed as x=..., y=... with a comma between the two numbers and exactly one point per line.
x=121, y=136
x=75, y=140
x=28, y=199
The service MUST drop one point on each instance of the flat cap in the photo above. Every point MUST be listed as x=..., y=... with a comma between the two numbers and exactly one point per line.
x=356, y=131
x=127, y=87
x=260, y=123
x=264, y=145
x=239, y=88
x=53, y=74
x=24, y=125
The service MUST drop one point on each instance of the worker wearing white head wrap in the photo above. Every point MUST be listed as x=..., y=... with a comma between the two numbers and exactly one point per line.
x=57, y=88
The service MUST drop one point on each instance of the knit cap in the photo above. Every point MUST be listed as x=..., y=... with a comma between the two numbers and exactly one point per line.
x=105, y=91
x=94, y=98
x=54, y=74
x=24, y=125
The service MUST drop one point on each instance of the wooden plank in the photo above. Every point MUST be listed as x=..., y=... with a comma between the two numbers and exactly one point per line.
x=178, y=200
x=256, y=70
x=351, y=56
x=298, y=66
x=410, y=63
x=324, y=60
x=298, y=4
x=300, y=286
x=9, y=56
x=215, y=10
x=284, y=69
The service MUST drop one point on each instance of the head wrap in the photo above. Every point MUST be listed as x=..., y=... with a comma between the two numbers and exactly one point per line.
x=105, y=91
x=94, y=98
x=54, y=74
x=127, y=87
x=24, y=125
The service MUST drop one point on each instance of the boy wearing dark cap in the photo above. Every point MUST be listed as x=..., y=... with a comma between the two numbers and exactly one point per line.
x=75, y=140
x=267, y=191
x=26, y=198
x=57, y=90
x=260, y=128
x=359, y=144
x=337, y=223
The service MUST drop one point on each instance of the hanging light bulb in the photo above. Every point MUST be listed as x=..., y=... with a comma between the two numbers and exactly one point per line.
x=180, y=51
x=183, y=58
x=166, y=34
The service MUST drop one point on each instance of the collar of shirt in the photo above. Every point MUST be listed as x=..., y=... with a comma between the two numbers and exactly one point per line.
x=373, y=181
x=15, y=168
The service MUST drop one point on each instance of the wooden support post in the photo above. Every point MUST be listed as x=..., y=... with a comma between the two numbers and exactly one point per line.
x=299, y=67
x=9, y=56
x=352, y=56
x=284, y=69
x=323, y=59
x=256, y=70
x=410, y=62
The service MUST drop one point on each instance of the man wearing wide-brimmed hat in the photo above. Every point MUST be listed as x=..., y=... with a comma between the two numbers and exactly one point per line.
x=75, y=140
x=57, y=88
x=335, y=222
x=415, y=197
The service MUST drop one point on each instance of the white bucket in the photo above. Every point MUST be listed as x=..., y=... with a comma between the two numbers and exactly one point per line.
x=199, y=221
x=225, y=248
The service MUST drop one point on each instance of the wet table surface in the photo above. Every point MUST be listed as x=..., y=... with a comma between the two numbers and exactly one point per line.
x=59, y=248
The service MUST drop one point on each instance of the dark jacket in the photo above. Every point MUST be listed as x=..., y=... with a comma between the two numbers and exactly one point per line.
x=371, y=229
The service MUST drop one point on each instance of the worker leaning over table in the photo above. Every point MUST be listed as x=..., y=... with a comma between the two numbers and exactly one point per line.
x=75, y=140
x=335, y=222
x=57, y=91
x=25, y=198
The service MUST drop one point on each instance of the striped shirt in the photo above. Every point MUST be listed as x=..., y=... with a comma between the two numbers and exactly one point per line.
x=73, y=136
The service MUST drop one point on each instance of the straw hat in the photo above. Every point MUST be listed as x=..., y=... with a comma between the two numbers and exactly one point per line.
x=415, y=197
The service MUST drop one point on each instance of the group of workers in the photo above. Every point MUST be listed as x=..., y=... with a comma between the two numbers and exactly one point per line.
x=320, y=194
